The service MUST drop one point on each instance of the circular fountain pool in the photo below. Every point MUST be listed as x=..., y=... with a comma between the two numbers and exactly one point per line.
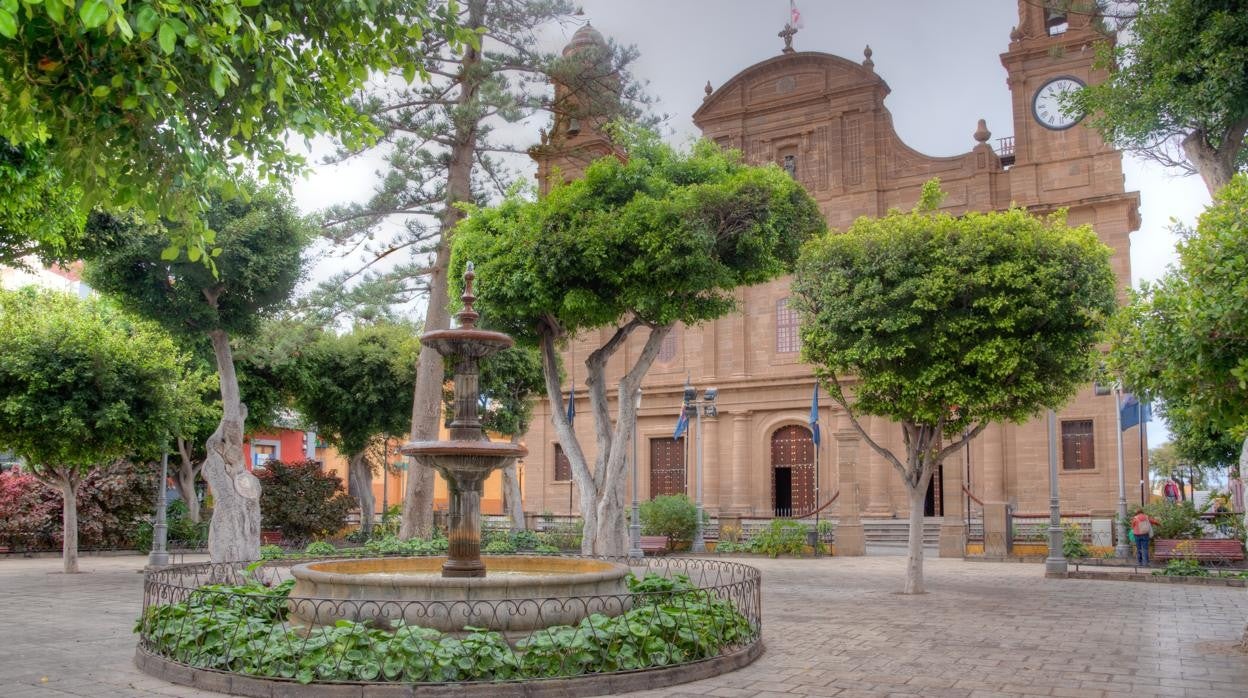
x=520, y=593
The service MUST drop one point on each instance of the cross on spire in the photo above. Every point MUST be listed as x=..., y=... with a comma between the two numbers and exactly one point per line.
x=787, y=34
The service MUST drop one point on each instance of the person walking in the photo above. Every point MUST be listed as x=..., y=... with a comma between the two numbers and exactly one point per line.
x=1142, y=530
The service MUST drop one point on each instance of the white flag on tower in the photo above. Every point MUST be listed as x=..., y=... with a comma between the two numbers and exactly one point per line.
x=795, y=16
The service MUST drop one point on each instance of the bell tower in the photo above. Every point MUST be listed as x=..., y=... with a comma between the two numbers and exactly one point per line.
x=1058, y=160
x=586, y=96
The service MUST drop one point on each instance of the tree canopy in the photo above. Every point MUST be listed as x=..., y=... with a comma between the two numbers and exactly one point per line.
x=1183, y=339
x=261, y=241
x=142, y=103
x=645, y=242
x=39, y=213
x=947, y=323
x=1177, y=81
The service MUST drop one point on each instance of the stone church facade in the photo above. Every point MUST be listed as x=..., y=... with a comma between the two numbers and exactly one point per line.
x=823, y=118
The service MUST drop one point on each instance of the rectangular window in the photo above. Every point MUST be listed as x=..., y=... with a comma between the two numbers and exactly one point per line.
x=1077, y=449
x=563, y=466
x=667, y=467
x=787, y=340
x=262, y=453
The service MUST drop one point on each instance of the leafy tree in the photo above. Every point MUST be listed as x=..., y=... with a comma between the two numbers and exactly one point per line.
x=262, y=240
x=81, y=384
x=1177, y=83
x=352, y=388
x=39, y=214
x=673, y=516
x=141, y=103
x=445, y=144
x=1182, y=339
x=665, y=237
x=302, y=500
x=949, y=323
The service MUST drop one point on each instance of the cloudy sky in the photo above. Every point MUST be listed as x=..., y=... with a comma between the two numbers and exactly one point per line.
x=941, y=60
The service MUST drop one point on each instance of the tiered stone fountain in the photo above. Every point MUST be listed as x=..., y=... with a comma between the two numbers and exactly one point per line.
x=465, y=461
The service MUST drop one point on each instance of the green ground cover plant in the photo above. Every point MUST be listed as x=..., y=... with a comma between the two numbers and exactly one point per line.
x=241, y=629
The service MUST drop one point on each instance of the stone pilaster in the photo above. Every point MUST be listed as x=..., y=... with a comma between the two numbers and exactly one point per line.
x=953, y=522
x=740, y=501
x=850, y=538
x=880, y=504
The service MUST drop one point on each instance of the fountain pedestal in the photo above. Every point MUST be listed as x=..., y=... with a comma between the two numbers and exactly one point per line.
x=468, y=458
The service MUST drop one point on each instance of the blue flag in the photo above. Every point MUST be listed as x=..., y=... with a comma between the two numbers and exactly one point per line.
x=682, y=424
x=1133, y=411
x=571, y=404
x=814, y=416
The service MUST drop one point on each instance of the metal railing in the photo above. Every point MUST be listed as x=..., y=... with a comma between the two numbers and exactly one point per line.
x=710, y=608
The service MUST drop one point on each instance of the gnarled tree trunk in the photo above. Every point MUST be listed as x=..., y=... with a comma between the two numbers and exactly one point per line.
x=184, y=479
x=361, y=477
x=602, y=488
x=234, y=533
x=427, y=401
x=513, y=498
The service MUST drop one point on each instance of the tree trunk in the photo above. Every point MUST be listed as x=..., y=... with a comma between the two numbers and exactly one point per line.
x=184, y=480
x=234, y=532
x=361, y=477
x=427, y=401
x=69, y=522
x=513, y=498
x=1215, y=166
x=914, y=557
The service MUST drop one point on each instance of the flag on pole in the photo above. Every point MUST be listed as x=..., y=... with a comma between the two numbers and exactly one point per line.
x=571, y=404
x=795, y=16
x=1133, y=412
x=814, y=416
x=682, y=423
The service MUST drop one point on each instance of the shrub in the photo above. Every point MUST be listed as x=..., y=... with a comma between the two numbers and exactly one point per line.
x=271, y=552
x=1177, y=520
x=1072, y=541
x=302, y=500
x=564, y=536
x=671, y=515
x=500, y=546
x=543, y=549
x=1183, y=568
x=781, y=537
x=391, y=545
x=114, y=501
x=181, y=530
x=320, y=547
x=525, y=540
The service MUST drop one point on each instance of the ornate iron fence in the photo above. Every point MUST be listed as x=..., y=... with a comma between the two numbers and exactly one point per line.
x=240, y=619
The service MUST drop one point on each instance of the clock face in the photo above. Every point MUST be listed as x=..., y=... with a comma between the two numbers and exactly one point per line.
x=1047, y=105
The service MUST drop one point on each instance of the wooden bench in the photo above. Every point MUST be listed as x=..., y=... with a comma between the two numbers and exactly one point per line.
x=1203, y=550
x=653, y=545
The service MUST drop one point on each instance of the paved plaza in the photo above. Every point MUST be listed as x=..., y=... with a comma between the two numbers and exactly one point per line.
x=833, y=627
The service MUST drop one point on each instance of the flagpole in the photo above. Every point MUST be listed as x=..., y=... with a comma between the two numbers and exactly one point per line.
x=1139, y=407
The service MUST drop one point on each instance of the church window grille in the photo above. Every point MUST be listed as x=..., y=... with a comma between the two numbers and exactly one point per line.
x=788, y=340
x=667, y=350
x=853, y=152
x=1078, y=452
x=563, y=466
x=790, y=165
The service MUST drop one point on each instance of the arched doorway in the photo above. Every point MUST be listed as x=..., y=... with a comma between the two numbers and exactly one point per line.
x=792, y=471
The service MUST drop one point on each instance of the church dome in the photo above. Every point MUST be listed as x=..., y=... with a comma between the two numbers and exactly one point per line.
x=585, y=37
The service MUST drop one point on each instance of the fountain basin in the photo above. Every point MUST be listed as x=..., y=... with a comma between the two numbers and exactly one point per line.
x=521, y=593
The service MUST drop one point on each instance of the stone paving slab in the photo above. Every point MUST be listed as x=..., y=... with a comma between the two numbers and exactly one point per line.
x=833, y=627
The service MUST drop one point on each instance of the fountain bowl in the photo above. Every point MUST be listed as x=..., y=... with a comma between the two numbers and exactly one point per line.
x=522, y=593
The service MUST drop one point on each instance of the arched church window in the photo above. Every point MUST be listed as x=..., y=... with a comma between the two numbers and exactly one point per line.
x=790, y=165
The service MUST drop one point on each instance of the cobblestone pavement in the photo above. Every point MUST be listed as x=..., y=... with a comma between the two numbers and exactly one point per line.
x=833, y=627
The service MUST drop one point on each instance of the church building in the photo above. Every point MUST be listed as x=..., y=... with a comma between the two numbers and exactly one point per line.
x=823, y=119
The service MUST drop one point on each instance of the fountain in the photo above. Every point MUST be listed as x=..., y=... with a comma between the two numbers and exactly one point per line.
x=465, y=461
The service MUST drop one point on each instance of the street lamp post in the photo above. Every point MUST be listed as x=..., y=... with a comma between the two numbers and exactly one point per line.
x=1055, y=565
x=159, y=556
x=1122, y=549
x=634, y=526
